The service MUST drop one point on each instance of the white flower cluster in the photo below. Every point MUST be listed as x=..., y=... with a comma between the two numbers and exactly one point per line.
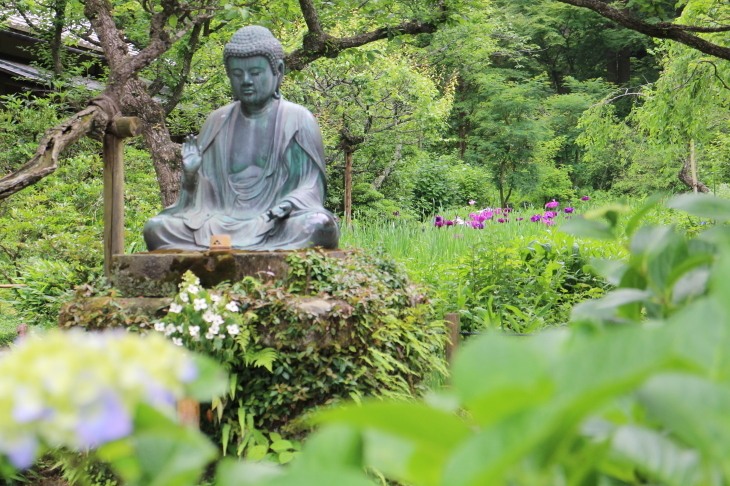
x=79, y=390
x=215, y=308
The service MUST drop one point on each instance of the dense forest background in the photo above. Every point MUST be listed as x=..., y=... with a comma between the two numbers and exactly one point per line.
x=423, y=106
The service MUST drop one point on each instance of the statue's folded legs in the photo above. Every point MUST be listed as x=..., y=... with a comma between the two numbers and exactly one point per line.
x=301, y=229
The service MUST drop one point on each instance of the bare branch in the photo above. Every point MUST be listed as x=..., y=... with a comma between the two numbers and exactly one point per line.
x=662, y=30
x=53, y=143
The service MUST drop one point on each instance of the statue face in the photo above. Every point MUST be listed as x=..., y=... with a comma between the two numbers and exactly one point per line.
x=252, y=80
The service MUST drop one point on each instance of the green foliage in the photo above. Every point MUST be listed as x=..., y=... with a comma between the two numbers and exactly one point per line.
x=433, y=189
x=524, y=289
x=605, y=404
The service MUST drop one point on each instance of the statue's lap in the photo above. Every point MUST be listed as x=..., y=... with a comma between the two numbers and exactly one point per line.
x=301, y=229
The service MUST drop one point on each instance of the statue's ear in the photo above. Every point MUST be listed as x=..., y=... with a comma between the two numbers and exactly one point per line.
x=280, y=67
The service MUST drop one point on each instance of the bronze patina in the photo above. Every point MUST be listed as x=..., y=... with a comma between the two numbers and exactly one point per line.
x=256, y=172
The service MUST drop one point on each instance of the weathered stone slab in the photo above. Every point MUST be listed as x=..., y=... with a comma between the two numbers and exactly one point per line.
x=158, y=273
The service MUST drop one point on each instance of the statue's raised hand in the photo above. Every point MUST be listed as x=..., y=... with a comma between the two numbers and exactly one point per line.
x=191, y=155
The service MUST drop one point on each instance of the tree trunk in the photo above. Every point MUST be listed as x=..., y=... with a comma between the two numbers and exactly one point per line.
x=611, y=66
x=686, y=177
x=59, y=22
x=623, y=66
x=386, y=172
x=166, y=155
x=348, y=187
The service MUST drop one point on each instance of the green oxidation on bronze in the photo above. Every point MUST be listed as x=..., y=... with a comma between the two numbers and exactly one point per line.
x=158, y=274
x=256, y=171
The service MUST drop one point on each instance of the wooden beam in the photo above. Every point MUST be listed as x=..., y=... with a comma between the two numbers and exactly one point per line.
x=454, y=326
x=113, y=199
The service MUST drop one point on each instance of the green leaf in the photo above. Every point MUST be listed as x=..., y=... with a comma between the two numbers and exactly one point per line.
x=211, y=381
x=332, y=447
x=225, y=435
x=256, y=453
x=704, y=206
x=281, y=445
x=635, y=219
x=285, y=457
x=172, y=20
x=695, y=410
x=491, y=390
x=231, y=472
x=655, y=456
x=586, y=228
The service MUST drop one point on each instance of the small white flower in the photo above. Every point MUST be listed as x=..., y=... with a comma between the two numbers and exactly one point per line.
x=194, y=330
x=217, y=320
x=184, y=297
x=232, y=306
x=160, y=326
x=175, y=308
x=193, y=289
x=199, y=304
x=179, y=329
x=170, y=329
x=177, y=341
x=233, y=329
x=208, y=316
x=208, y=335
x=215, y=298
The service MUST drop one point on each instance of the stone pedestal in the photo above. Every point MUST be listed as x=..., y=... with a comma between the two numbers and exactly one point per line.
x=146, y=282
x=158, y=273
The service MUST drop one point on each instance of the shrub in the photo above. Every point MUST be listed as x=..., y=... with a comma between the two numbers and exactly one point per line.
x=336, y=329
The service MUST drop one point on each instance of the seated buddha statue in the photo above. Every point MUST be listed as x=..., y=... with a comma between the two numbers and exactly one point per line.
x=256, y=171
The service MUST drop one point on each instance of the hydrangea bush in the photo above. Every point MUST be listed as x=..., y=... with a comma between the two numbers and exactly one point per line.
x=82, y=391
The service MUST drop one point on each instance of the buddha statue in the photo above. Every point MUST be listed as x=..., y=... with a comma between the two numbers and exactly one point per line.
x=256, y=171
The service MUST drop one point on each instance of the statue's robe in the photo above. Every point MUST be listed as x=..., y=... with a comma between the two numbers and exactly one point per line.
x=218, y=205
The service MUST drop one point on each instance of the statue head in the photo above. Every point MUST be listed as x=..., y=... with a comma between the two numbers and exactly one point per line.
x=254, y=62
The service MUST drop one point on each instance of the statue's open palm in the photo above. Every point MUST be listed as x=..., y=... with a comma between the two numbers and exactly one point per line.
x=191, y=155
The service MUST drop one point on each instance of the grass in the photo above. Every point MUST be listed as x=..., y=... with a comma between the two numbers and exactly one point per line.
x=8, y=322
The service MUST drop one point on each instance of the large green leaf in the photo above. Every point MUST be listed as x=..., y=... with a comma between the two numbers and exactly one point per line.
x=704, y=206
x=500, y=375
x=655, y=456
x=586, y=228
x=160, y=452
x=695, y=410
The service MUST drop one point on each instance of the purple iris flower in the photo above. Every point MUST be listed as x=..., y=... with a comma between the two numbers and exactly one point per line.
x=104, y=421
x=536, y=218
x=396, y=213
x=519, y=219
x=473, y=215
x=585, y=198
x=439, y=219
x=549, y=214
x=507, y=210
x=549, y=222
x=449, y=223
x=477, y=225
x=568, y=210
x=552, y=204
x=438, y=224
x=503, y=220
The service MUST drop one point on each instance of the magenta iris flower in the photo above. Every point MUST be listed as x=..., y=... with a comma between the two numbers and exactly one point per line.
x=552, y=204
x=568, y=210
x=519, y=219
x=536, y=218
x=549, y=222
x=476, y=225
x=502, y=220
x=449, y=223
x=438, y=224
x=549, y=214
x=396, y=213
x=585, y=198
x=472, y=203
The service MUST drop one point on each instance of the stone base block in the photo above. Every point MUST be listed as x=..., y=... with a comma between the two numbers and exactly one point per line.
x=158, y=273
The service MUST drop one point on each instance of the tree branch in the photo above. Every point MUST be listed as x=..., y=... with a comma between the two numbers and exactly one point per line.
x=55, y=141
x=662, y=30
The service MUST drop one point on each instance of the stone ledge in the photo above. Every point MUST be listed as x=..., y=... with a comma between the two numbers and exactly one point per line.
x=158, y=273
